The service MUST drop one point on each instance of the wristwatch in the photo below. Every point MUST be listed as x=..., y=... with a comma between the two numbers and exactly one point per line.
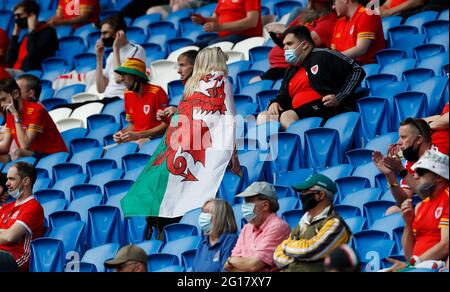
x=414, y=260
x=403, y=173
x=17, y=120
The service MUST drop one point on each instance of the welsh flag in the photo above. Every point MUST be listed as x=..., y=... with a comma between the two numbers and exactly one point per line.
x=188, y=165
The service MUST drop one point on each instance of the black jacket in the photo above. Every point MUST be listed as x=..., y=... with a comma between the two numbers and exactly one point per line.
x=42, y=43
x=336, y=74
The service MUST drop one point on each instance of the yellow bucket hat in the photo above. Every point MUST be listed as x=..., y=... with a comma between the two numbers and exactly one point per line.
x=133, y=66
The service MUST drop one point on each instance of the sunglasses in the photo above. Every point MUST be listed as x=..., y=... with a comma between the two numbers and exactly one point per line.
x=421, y=171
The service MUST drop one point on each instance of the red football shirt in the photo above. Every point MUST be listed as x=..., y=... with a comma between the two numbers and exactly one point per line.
x=4, y=41
x=233, y=10
x=323, y=26
x=30, y=215
x=440, y=138
x=35, y=118
x=141, y=110
x=70, y=10
x=431, y=217
x=300, y=89
x=360, y=26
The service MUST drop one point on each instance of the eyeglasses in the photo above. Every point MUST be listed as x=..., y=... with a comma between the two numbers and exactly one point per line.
x=421, y=171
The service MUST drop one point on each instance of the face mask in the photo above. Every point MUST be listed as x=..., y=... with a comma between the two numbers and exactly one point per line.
x=290, y=56
x=425, y=190
x=22, y=22
x=410, y=154
x=247, y=211
x=135, y=86
x=108, y=42
x=17, y=193
x=204, y=220
x=309, y=202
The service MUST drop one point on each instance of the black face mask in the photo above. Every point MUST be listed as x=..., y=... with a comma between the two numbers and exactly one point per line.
x=308, y=201
x=22, y=22
x=135, y=86
x=411, y=154
x=108, y=42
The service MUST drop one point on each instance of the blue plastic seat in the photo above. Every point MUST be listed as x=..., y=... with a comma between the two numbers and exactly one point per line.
x=375, y=117
x=435, y=27
x=145, y=20
x=84, y=62
x=359, y=198
x=288, y=203
x=252, y=162
x=158, y=261
x=371, y=69
x=257, y=87
x=443, y=15
x=97, y=121
x=206, y=10
x=175, y=88
x=136, y=35
x=292, y=217
x=427, y=50
x=98, y=166
x=114, y=108
x=102, y=133
x=100, y=254
x=185, y=25
x=84, y=31
x=117, y=187
x=82, y=144
x=389, y=22
x=236, y=67
x=409, y=42
x=441, y=39
x=163, y=36
x=246, y=109
x=104, y=177
x=350, y=184
x=134, y=174
x=375, y=251
x=46, y=94
x=369, y=171
x=151, y=246
x=52, y=103
x=421, y=18
x=187, y=259
x=356, y=223
x=47, y=255
x=409, y=104
x=41, y=184
x=397, y=68
x=84, y=156
x=135, y=229
x=388, y=223
x=322, y=148
x=51, y=160
x=177, y=43
x=177, y=247
x=347, y=211
x=191, y=217
x=381, y=143
x=72, y=236
x=230, y=186
x=59, y=219
x=435, y=63
x=258, y=57
x=72, y=134
x=346, y=124
x=357, y=157
x=284, y=7
x=376, y=210
x=69, y=47
x=264, y=97
x=417, y=75
x=243, y=78
x=65, y=170
x=285, y=150
x=151, y=49
x=301, y=126
x=291, y=178
x=379, y=80
x=47, y=195
x=117, y=152
x=134, y=161
x=175, y=17
x=262, y=133
x=54, y=206
x=53, y=67
x=83, y=204
x=79, y=191
x=338, y=171
x=388, y=56
x=104, y=226
x=179, y=230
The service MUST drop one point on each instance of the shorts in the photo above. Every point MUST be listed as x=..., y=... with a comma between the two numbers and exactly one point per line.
x=316, y=108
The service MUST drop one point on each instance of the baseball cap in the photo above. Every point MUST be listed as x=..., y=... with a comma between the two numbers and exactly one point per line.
x=433, y=161
x=259, y=188
x=133, y=66
x=316, y=179
x=125, y=254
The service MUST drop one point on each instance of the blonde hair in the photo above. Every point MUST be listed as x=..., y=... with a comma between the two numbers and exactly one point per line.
x=223, y=220
x=208, y=60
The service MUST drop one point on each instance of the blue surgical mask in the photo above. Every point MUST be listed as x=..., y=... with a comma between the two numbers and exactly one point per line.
x=17, y=193
x=247, y=211
x=290, y=56
x=204, y=220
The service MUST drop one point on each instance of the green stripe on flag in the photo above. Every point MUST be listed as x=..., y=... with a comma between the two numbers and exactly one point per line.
x=145, y=196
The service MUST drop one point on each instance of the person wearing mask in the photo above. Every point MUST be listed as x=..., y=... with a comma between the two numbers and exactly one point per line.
x=263, y=232
x=219, y=229
x=311, y=87
x=39, y=43
x=320, y=231
x=113, y=36
x=142, y=101
x=22, y=220
x=27, y=123
x=129, y=259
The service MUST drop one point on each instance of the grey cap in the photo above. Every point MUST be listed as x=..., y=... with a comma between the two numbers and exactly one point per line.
x=259, y=188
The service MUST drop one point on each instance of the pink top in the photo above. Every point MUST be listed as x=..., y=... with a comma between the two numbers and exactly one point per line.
x=261, y=242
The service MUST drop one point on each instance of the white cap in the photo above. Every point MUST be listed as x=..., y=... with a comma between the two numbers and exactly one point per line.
x=433, y=161
x=259, y=188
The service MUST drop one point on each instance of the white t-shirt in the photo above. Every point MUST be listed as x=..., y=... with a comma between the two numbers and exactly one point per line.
x=128, y=51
